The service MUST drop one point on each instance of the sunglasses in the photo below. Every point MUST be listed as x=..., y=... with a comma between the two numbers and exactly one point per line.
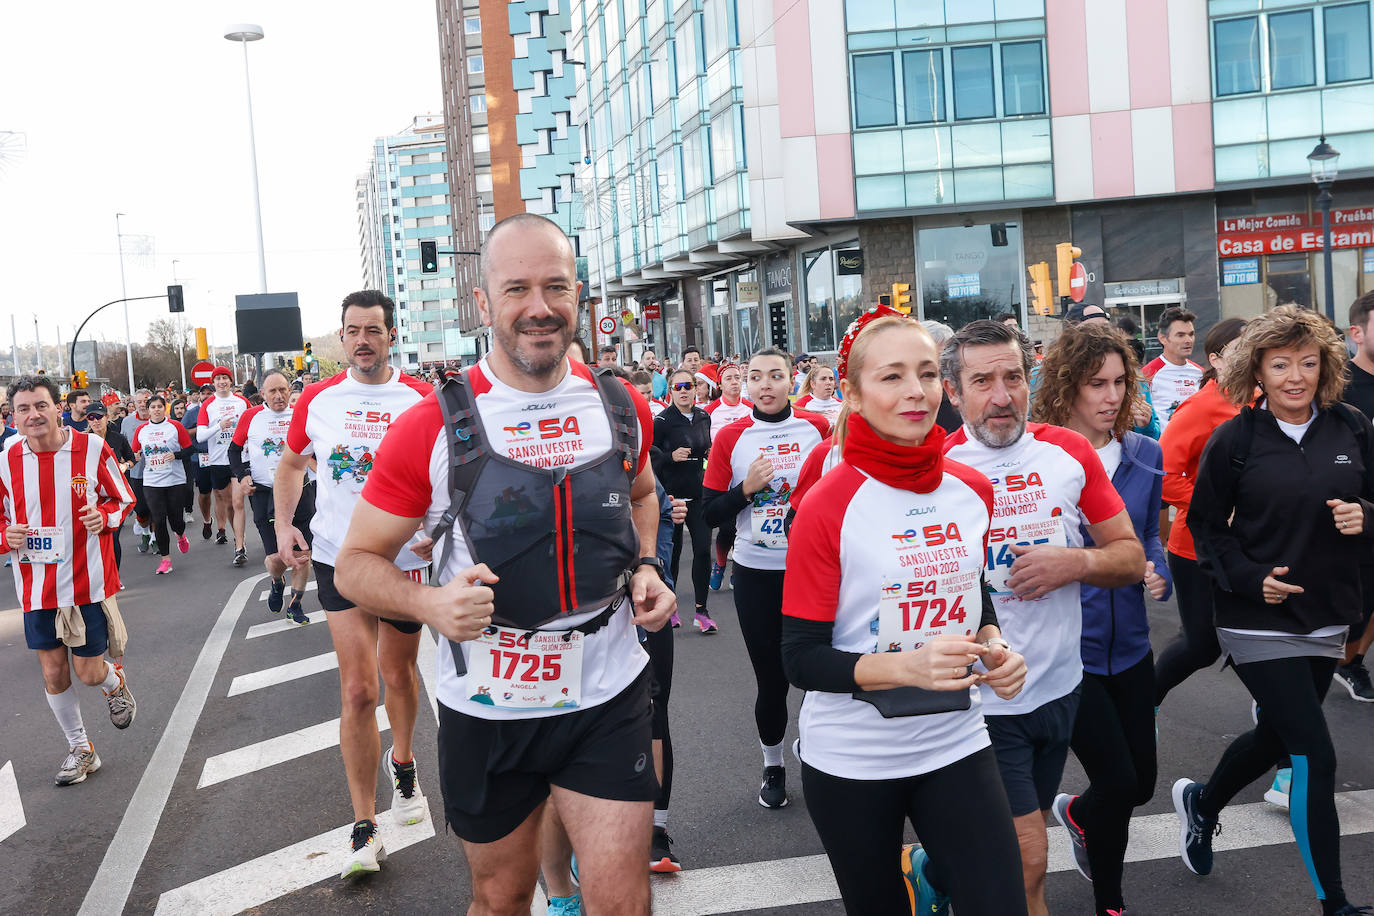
x=683, y=386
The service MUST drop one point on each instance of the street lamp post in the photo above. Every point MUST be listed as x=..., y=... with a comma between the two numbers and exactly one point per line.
x=589, y=158
x=244, y=33
x=181, y=335
x=1322, y=162
x=124, y=293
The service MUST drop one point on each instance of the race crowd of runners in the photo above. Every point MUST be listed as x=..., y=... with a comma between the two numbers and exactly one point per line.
x=946, y=540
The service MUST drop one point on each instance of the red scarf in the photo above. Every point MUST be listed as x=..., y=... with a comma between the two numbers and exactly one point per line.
x=917, y=468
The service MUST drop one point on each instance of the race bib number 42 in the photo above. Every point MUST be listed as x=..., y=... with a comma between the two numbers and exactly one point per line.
x=1000, y=557
x=768, y=525
x=42, y=545
x=512, y=670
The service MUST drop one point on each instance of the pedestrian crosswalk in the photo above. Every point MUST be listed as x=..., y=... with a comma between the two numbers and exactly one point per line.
x=11, y=807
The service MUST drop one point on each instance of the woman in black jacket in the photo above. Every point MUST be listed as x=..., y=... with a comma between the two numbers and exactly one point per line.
x=98, y=425
x=1282, y=512
x=682, y=438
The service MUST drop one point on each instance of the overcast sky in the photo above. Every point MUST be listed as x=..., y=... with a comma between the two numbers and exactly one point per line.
x=140, y=108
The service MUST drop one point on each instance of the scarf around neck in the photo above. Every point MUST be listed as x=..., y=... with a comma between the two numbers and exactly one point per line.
x=916, y=468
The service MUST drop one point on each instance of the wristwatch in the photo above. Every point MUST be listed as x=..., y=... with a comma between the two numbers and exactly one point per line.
x=655, y=562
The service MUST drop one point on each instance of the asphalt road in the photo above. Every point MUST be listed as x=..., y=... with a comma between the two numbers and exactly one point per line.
x=213, y=802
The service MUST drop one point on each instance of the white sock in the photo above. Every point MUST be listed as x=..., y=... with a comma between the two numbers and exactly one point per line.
x=661, y=818
x=772, y=754
x=67, y=709
x=111, y=682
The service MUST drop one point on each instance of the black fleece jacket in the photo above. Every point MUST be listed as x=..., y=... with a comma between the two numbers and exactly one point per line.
x=674, y=430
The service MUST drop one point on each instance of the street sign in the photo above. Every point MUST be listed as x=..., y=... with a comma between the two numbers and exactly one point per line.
x=607, y=325
x=1078, y=281
x=652, y=312
x=202, y=373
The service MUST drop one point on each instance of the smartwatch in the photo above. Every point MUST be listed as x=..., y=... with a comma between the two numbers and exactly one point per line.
x=655, y=562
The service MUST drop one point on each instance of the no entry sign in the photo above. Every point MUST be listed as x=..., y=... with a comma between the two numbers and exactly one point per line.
x=202, y=372
x=1078, y=282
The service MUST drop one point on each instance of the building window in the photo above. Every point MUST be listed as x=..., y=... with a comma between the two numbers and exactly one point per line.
x=820, y=288
x=973, y=86
x=1292, y=59
x=478, y=103
x=472, y=25
x=1023, y=79
x=475, y=64
x=923, y=75
x=1346, y=33
x=1237, y=55
x=1291, y=51
x=875, y=99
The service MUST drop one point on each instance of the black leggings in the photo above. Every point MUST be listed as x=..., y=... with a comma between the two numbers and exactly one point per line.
x=960, y=813
x=1114, y=739
x=1289, y=692
x=1197, y=647
x=165, y=505
x=700, y=533
x=725, y=539
x=758, y=601
x=660, y=648
x=140, y=500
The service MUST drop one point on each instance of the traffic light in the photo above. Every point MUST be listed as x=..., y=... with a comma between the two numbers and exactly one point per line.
x=175, y=302
x=309, y=357
x=901, y=297
x=1041, y=300
x=885, y=299
x=300, y=364
x=202, y=344
x=81, y=378
x=1064, y=255
x=429, y=257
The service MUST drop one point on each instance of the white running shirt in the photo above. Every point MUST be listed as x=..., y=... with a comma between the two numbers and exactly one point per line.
x=1171, y=385
x=157, y=444
x=208, y=429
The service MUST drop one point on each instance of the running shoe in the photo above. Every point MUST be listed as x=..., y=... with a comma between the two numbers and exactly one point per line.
x=705, y=624
x=296, y=615
x=183, y=544
x=407, y=801
x=240, y=556
x=221, y=537
x=165, y=566
x=717, y=576
x=925, y=899
x=275, y=592
x=121, y=703
x=1076, y=836
x=365, y=851
x=205, y=531
x=143, y=540
x=1195, y=831
x=661, y=858
x=1277, y=794
x=675, y=621
x=80, y=763
x=1351, y=909
x=565, y=906
x=1354, y=677
x=773, y=792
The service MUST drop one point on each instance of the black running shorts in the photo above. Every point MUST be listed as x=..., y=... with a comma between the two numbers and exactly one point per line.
x=495, y=773
x=1031, y=751
x=265, y=514
x=219, y=476
x=331, y=600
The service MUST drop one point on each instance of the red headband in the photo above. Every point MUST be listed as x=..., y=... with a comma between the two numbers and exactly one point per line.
x=855, y=327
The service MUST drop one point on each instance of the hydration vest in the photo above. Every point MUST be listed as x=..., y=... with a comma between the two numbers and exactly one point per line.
x=562, y=541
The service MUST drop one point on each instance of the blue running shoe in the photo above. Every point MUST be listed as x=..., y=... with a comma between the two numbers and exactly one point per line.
x=1195, y=831
x=1076, y=835
x=565, y=906
x=274, y=596
x=1277, y=794
x=925, y=900
x=717, y=576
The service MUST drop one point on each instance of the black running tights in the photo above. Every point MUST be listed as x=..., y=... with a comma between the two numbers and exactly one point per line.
x=165, y=505
x=961, y=815
x=700, y=533
x=1197, y=647
x=660, y=648
x=758, y=601
x=1114, y=739
x=1289, y=692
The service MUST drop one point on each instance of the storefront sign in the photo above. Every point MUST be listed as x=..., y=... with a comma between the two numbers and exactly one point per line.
x=652, y=311
x=1138, y=288
x=1240, y=271
x=777, y=277
x=960, y=285
x=746, y=291
x=849, y=262
x=1276, y=221
x=1284, y=241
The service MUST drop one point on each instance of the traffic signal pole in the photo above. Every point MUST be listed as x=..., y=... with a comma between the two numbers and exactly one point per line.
x=92, y=315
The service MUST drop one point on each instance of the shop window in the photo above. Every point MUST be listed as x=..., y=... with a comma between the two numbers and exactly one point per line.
x=971, y=68
x=1236, y=52
x=969, y=272
x=875, y=98
x=1346, y=34
x=819, y=277
x=923, y=73
x=1023, y=79
x=1292, y=61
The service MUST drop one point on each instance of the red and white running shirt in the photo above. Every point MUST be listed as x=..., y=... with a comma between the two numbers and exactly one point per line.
x=723, y=414
x=52, y=489
x=1171, y=385
x=157, y=444
x=1046, y=485
x=760, y=542
x=565, y=426
x=827, y=407
x=212, y=411
x=261, y=434
x=341, y=421
x=865, y=555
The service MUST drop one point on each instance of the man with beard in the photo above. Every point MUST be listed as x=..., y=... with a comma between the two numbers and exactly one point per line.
x=1057, y=522
x=341, y=421
x=552, y=702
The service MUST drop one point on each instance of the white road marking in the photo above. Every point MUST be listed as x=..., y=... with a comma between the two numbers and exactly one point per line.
x=244, y=760
x=808, y=879
x=309, y=586
x=109, y=892
x=280, y=674
x=276, y=626
x=276, y=874
x=11, y=809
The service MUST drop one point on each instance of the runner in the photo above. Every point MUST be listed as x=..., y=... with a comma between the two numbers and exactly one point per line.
x=162, y=443
x=1173, y=377
x=1359, y=393
x=78, y=400
x=730, y=406
x=757, y=460
x=1091, y=387
x=100, y=426
x=1049, y=488
x=580, y=729
x=198, y=465
x=256, y=449
x=817, y=393
x=682, y=440
x=215, y=422
x=1279, y=543
x=127, y=426
x=890, y=728
x=643, y=380
x=61, y=497
x=347, y=416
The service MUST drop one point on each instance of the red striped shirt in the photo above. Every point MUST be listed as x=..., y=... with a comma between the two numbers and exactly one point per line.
x=50, y=489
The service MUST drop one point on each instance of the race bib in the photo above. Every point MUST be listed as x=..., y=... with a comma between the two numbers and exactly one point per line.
x=767, y=526
x=509, y=669
x=911, y=612
x=1029, y=531
x=43, y=545
x=204, y=459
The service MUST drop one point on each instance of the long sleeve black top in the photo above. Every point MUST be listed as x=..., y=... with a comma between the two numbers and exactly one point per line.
x=674, y=430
